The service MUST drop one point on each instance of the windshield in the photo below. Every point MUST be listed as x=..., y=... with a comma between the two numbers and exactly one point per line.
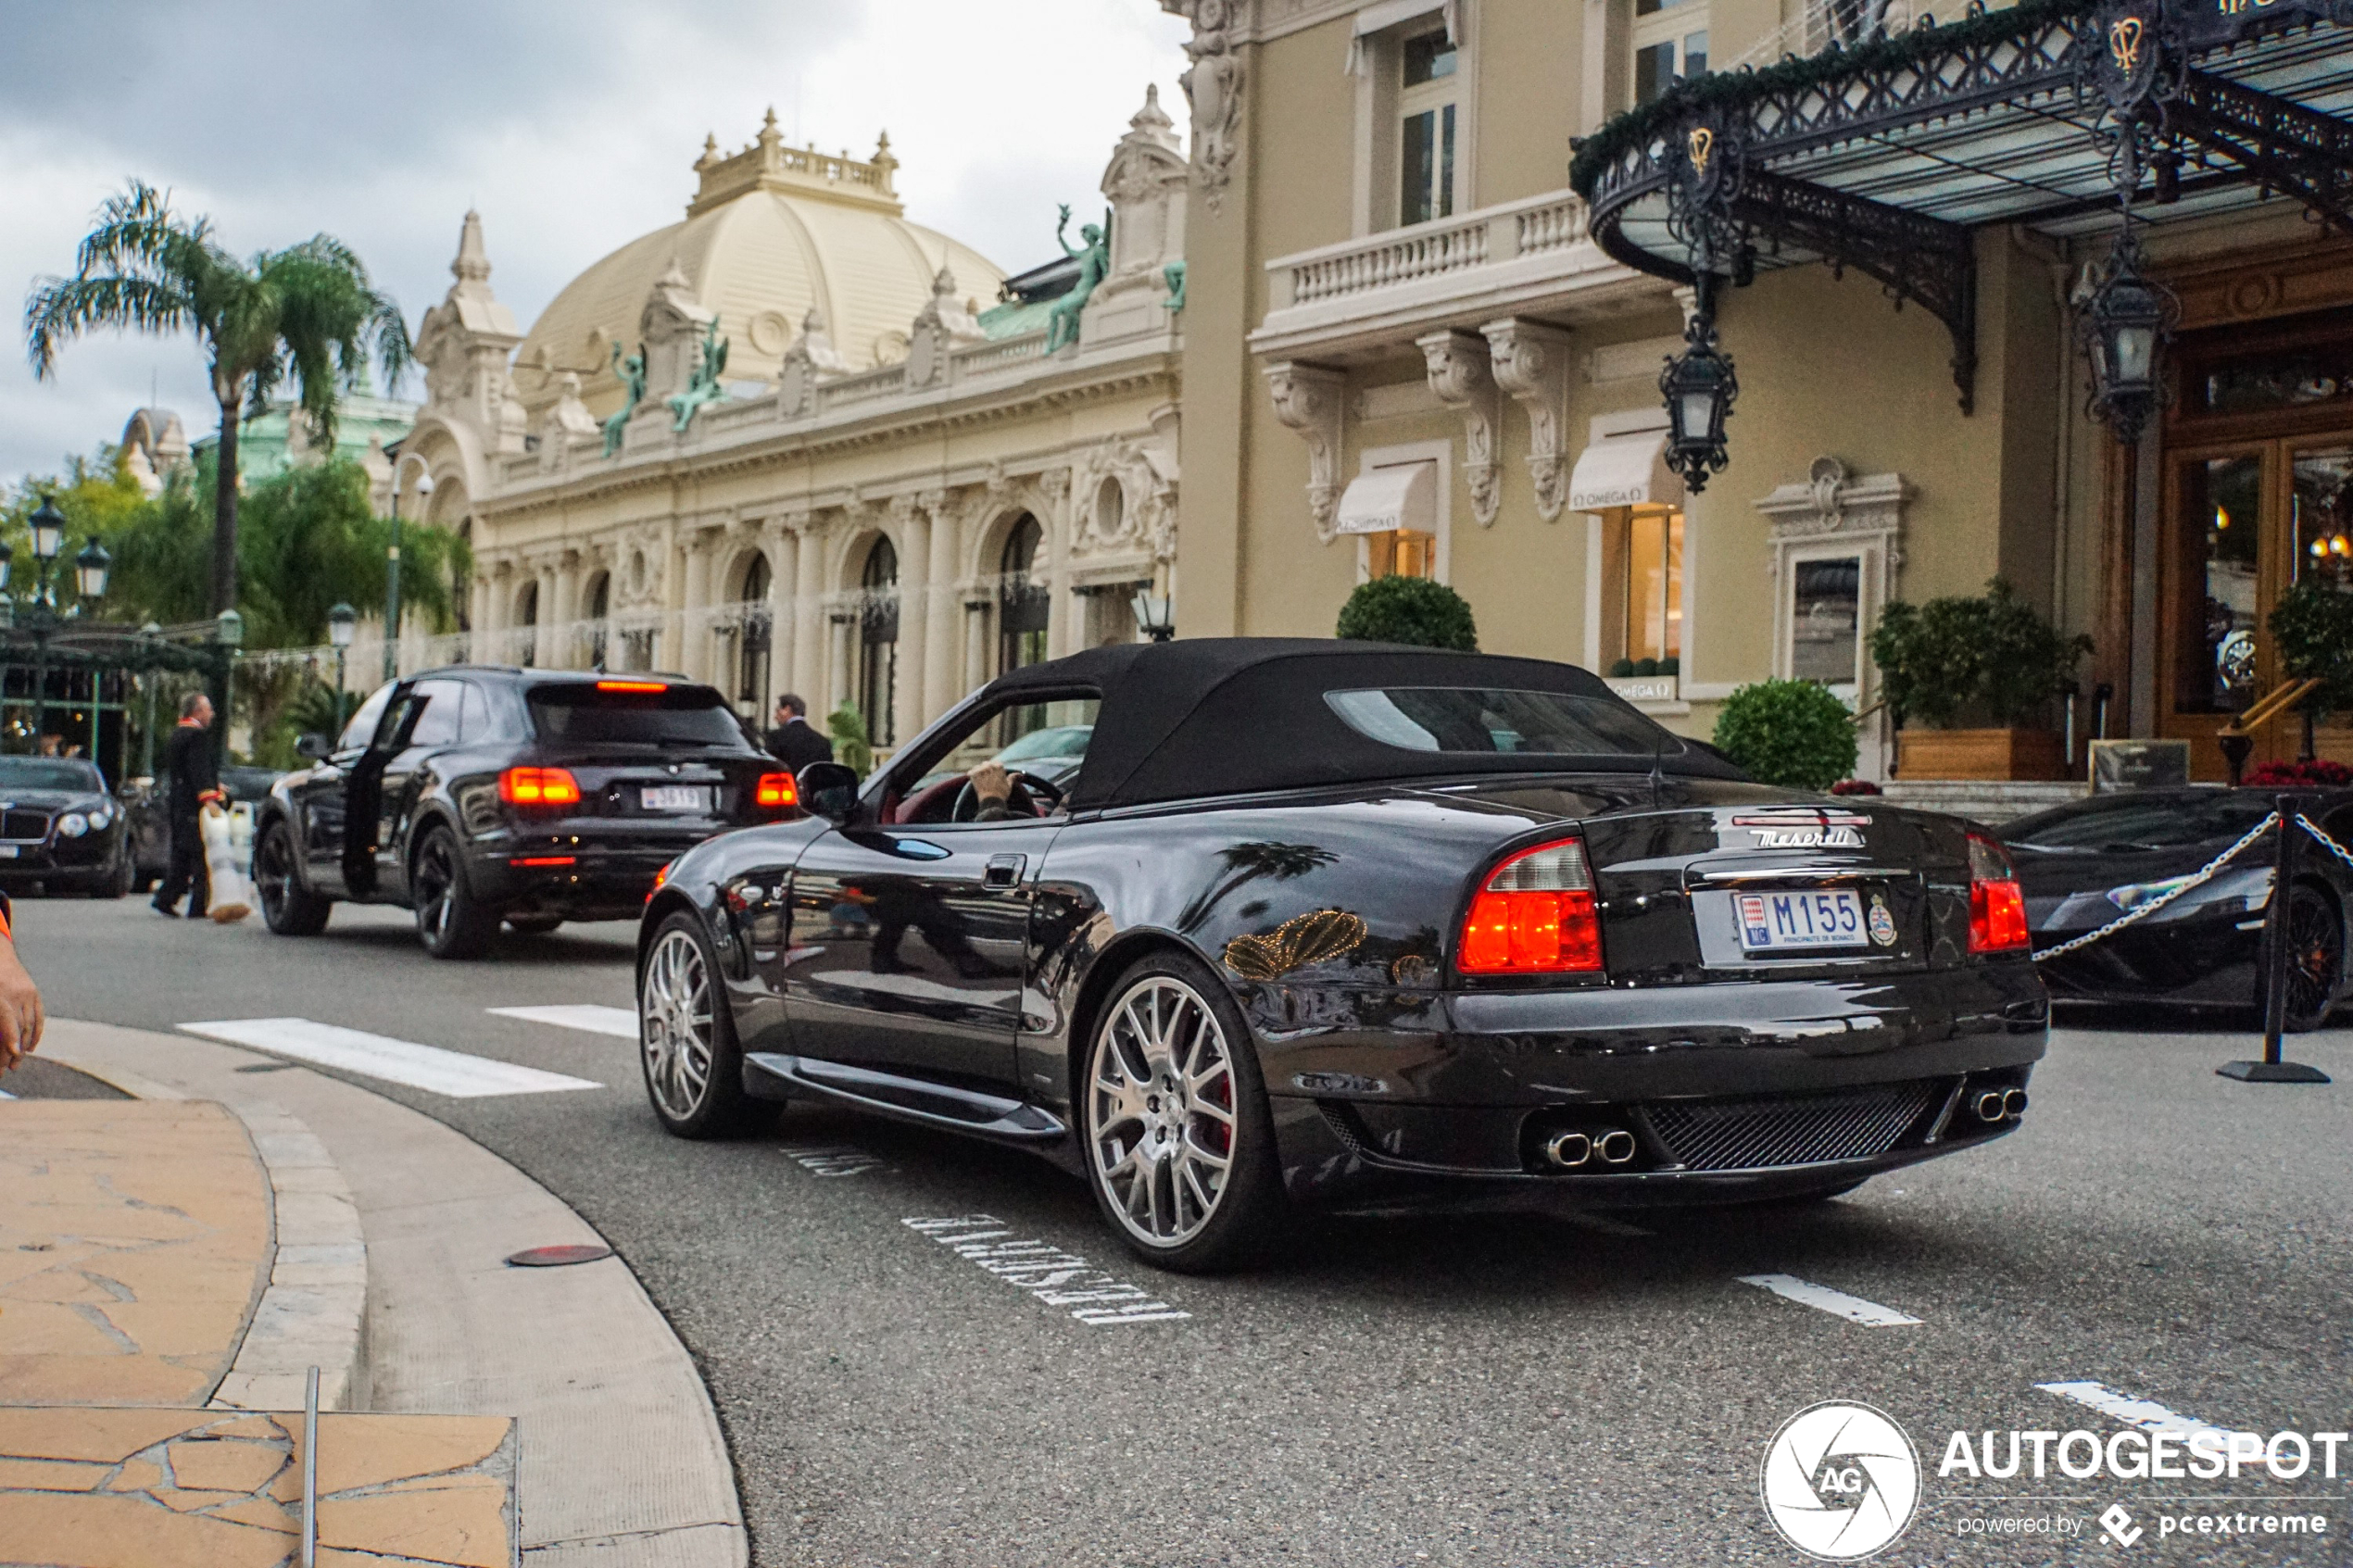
x=1476, y=719
x=1062, y=740
x=634, y=713
x=2152, y=822
x=47, y=773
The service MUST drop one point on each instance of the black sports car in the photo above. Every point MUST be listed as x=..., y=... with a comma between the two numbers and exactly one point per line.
x=62, y=827
x=478, y=794
x=2085, y=864
x=1343, y=924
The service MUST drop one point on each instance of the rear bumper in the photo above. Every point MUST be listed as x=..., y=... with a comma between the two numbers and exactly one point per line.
x=1451, y=1100
x=577, y=883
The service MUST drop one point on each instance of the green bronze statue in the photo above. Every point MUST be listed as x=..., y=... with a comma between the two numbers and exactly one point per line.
x=1173, y=276
x=1094, y=260
x=632, y=372
x=703, y=385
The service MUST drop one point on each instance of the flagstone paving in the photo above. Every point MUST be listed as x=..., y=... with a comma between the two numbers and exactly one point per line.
x=134, y=1236
x=135, y=1488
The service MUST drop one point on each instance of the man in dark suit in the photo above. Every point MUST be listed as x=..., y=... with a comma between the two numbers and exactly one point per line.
x=794, y=741
x=194, y=783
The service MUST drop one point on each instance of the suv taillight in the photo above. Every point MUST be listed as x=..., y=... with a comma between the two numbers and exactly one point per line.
x=776, y=792
x=538, y=787
x=1997, y=906
x=1533, y=915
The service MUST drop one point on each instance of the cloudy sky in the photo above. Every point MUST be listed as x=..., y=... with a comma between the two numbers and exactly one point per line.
x=571, y=126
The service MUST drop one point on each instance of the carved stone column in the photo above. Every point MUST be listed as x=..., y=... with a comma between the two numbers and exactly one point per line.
x=1311, y=399
x=942, y=654
x=977, y=604
x=1530, y=361
x=809, y=675
x=565, y=651
x=783, y=550
x=1463, y=377
x=695, y=622
x=915, y=610
x=546, y=651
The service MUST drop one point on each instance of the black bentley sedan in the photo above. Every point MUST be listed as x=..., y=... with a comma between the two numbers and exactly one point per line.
x=62, y=827
x=1350, y=926
x=2084, y=864
x=478, y=794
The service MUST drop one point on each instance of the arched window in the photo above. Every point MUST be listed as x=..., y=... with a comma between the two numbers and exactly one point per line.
x=600, y=612
x=1024, y=605
x=527, y=624
x=753, y=643
x=878, y=643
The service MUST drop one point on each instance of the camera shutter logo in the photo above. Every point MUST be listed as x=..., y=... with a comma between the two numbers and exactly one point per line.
x=1840, y=1481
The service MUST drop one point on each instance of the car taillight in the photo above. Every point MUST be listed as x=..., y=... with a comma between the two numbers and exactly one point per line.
x=633, y=685
x=1997, y=906
x=1533, y=915
x=776, y=792
x=538, y=787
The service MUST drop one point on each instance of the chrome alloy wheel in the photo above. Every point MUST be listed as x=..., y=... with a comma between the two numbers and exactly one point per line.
x=1160, y=1111
x=675, y=1024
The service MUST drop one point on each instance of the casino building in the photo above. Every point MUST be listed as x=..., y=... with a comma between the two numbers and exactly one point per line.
x=796, y=442
x=1439, y=251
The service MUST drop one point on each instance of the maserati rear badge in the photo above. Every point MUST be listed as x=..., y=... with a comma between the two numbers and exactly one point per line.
x=1882, y=924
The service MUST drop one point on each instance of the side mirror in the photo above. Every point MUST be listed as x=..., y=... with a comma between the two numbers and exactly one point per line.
x=828, y=790
x=315, y=747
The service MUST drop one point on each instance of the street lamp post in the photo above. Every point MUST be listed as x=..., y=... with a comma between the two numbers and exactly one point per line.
x=392, y=562
x=38, y=616
x=340, y=622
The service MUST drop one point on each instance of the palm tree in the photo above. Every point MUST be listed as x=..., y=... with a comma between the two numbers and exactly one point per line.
x=307, y=312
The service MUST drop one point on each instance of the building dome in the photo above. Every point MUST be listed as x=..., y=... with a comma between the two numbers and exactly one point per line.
x=772, y=232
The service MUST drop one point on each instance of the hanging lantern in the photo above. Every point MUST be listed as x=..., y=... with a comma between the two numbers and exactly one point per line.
x=1699, y=387
x=90, y=569
x=2125, y=326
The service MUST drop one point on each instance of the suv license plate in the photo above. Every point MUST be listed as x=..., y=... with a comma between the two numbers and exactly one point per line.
x=676, y=798
x=1773, y=922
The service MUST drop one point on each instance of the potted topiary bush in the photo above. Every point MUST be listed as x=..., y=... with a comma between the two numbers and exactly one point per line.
x=1796, y=733
x=1409, y=610
x=2312, y=626
x=1969, y=683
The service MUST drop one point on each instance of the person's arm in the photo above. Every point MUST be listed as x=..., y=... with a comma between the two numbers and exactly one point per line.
x=208, y=773
x=21, y=1014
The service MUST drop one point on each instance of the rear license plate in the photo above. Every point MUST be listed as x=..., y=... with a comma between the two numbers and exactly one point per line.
x=676, y=798
x=7, y=851
x=1775, y=921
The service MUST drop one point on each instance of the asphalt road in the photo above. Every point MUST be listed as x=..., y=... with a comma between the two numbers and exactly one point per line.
x=1465, y=1392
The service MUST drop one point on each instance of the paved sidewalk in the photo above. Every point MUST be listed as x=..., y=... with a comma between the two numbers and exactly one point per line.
x=619, y=1461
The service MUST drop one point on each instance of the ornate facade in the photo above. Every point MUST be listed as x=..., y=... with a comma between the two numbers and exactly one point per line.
x=744, y=475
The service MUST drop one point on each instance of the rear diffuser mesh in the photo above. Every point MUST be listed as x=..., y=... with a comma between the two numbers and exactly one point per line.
x=1755, y=1135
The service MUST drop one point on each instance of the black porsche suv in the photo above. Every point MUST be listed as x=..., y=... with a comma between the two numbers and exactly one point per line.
x=479, y=794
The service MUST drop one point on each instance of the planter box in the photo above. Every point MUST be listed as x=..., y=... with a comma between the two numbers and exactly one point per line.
x=1979, y=754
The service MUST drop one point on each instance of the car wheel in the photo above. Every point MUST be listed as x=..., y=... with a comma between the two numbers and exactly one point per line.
x=1179, y=1145
x=686, y=1038
x=451, y=923
x=2315, y=960
x=532, y=925
x=287, y=907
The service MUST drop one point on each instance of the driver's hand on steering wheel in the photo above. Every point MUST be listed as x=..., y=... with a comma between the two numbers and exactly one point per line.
x=991, y=783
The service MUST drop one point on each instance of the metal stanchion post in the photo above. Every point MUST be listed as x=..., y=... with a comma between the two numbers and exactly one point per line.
x=311, y=1471
x=2274, y=1069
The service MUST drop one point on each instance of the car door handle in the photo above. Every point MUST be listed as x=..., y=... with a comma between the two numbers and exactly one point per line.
x=1004, y=871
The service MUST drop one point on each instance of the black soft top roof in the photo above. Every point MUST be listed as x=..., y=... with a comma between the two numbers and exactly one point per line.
x=1229, y=715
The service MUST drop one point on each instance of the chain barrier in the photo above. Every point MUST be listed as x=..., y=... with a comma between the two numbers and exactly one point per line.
x=2325, y=842
x=2205, y=874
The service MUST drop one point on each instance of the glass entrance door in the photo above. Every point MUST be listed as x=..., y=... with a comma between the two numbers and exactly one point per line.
x=2249, y=520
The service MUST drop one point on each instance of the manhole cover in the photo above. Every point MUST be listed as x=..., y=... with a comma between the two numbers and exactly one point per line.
x=554, y=1257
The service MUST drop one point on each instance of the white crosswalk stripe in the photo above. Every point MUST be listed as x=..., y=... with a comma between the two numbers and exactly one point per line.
x=620, y=1022
x=1839, y=1304
x=454, y=1073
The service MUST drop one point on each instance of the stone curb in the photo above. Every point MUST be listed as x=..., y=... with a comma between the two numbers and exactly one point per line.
x=315, y=1310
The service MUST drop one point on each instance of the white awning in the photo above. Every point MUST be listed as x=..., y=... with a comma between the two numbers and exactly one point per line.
x=1381, y=18
x=1624, y=470
x=1400, y=495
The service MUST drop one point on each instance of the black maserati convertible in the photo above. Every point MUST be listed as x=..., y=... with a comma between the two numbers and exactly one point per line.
x=1340, y=924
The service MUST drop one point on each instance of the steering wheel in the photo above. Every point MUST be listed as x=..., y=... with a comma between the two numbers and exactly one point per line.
x=1024, y=797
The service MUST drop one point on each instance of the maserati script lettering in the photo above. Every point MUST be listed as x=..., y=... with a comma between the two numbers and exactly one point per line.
x=1807, y=838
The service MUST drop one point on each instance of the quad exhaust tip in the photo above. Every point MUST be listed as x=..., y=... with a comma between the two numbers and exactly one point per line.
x=1580, y=1151
x=2014, y=1102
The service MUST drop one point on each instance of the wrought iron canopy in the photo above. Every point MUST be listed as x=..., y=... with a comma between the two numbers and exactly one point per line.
x=1886, y=157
